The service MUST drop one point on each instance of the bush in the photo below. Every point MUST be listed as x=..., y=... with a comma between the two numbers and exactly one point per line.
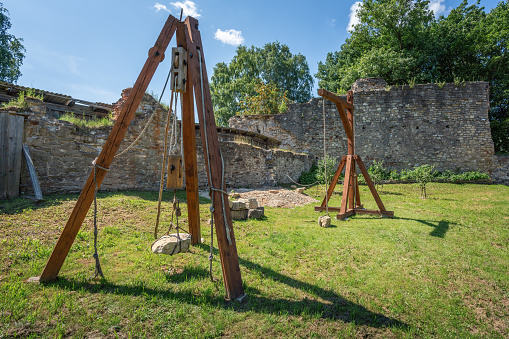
x=332, y=165
x=308, y=178
x=423, y=175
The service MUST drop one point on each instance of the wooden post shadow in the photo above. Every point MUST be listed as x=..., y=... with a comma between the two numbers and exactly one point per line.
x=351, y=201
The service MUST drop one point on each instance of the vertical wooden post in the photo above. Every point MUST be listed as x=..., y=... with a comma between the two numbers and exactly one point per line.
x=189, y=144
x=66, y=239
x=11, y=141
x=213, y=160
x=351, y=151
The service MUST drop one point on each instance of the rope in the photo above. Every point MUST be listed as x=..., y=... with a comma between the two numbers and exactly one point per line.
x=149, y=119
x=161, y=182
x=325, y=161
x=98, y=270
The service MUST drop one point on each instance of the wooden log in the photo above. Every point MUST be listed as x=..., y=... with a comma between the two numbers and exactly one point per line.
x=66, y=239
x=347, y=185
x=227, y=250
x=189, y=144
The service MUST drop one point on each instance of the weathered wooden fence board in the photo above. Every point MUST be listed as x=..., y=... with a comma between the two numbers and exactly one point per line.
x=11, y=142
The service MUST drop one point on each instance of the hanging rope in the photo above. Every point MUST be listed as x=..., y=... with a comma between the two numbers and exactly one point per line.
x=325, y=160
x=163, y=167
x=98, y=270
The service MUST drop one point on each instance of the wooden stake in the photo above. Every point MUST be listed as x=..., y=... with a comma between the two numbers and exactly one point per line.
x=66, y=239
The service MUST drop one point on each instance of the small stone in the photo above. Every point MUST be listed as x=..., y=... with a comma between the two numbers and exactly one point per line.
x=256, y=213
x=324, y=221
x=294, y=186
x=252, y=204
x=237, y=205
x=300, y=190
x=172, y=244
x=274, y=191
x=239, y=214
x=234, y=195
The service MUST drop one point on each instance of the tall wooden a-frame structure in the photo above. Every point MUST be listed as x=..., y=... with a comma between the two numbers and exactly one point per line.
x=351, y=200
x=197, y=86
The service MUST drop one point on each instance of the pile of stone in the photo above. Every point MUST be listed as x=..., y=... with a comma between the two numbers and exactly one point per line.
x=243, y=209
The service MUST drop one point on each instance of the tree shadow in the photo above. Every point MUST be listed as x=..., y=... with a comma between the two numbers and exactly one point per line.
x=21, y=204
x=439, y=229
x=320, y=301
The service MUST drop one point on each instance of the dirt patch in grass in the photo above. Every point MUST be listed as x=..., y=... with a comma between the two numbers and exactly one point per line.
x=275, y=197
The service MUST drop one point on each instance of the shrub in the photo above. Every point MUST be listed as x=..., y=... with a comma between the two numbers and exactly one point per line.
x=308, y=178
x=331, y=163
x=377, y=173
x=87, y=123
x=423, y=175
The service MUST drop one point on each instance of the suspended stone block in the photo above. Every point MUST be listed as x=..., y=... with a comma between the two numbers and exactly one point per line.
x=172, y=244
x=324, y=221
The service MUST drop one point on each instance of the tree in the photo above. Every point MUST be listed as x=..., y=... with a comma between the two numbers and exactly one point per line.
x=402, y=42
x=11, y=49
x=267, y=100
x=274, y=63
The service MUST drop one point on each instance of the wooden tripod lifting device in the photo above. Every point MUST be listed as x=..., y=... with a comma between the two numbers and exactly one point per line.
x=351, y=201
x=188, y=37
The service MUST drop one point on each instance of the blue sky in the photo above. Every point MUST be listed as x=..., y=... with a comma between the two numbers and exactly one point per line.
x=93, y=49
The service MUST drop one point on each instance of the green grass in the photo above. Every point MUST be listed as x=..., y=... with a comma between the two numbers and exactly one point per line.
x=439, y=268
x=87, y=123
x=20, y=101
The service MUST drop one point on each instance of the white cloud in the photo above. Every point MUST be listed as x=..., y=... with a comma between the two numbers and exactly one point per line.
x=331, y=22
x=159, y=7
x=230, y=37
x=354, y=20
x=189, y=7
x=438, y=7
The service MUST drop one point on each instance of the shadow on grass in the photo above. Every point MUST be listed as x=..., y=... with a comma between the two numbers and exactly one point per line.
x=439, y=229
x=325, y=303
x=19, y=205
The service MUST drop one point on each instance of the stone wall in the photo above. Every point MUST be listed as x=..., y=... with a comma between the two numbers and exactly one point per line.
x=63, y=153
x=446, y=126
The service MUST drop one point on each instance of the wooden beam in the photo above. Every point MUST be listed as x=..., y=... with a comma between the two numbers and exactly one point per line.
x=334, y=98
x=370, y=183
x=66, y=239
x=189, y=144
x=212, y=155
x=347, y=185
x=334, y=181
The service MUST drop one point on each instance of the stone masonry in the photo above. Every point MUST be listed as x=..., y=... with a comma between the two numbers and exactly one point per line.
x=446, y=126
x=63, y=153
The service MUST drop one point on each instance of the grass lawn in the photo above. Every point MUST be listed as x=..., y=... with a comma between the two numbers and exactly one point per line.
x=439, y=268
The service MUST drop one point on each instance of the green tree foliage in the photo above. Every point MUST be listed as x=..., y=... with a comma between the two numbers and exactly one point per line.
x=267, y=100
x=11, y=49
x=326, y=165
x=401, y=41
x=232, y=83
x=423, y=175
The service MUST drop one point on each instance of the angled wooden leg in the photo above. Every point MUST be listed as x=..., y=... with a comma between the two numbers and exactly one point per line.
x=346, y=187
x=334, y=181
x=66, y=239
x=358, y=203
x=372, y=188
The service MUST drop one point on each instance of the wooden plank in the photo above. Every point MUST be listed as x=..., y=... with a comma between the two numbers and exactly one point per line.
x=334, y=181
x=341, y=216
x=14, y=141
x=32, y=173
x=227, y=250
x=66, y=239
x=370, y=183
x=189, y=144
x=334, y=98
x=331, y=209
x=4, y=152
x=175, y=176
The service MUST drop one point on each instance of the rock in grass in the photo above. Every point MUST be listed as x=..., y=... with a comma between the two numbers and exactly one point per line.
x=324, y=221
x=256, y=213
x=239, y=214
x=172, y=244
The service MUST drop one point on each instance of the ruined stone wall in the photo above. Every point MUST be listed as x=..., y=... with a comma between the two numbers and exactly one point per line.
x=446, y=126
x=63, y=153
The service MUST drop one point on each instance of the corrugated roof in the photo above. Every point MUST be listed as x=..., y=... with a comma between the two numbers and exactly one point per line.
x=55, y=98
